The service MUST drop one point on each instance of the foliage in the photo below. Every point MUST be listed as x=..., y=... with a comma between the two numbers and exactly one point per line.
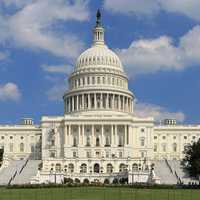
x=106, y=181
x=77, y=180
x=191, y=161
x=115, y=181
x=68, y=180
x=1, y=154
x=86, y=181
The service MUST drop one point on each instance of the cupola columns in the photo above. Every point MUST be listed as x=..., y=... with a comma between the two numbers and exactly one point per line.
x=98, y=31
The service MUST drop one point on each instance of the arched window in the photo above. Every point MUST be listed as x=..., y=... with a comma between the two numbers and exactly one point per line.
x=21, y=147
x=71, y=168
x=58, y=167
x=122, y=168
x=135, y=167
x=97, y=142
x=83, y=168
x=96, y=168
x=174, y=147
x=109, y=168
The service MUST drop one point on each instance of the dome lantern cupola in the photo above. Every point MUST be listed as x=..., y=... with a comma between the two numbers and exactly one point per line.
x=98, y=31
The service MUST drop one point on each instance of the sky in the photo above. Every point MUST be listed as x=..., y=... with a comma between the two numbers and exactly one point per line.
x=158, y=42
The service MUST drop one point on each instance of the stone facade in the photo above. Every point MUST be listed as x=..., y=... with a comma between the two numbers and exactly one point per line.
x=99, y=137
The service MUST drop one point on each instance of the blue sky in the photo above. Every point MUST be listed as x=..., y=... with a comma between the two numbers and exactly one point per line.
x=158, y=42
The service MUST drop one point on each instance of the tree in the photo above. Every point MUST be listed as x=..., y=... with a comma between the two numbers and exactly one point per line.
x=191, y=161
x=1, y=154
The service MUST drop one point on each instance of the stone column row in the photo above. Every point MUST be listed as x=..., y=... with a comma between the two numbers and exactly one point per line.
x=99, y=101
x=81, y=139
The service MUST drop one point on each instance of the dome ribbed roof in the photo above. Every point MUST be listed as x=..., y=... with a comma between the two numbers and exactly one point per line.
x=99, y=55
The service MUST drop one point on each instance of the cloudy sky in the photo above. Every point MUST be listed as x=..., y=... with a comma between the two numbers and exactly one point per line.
x=158, y=42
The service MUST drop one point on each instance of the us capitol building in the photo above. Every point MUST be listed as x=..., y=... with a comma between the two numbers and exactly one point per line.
x=99, y=137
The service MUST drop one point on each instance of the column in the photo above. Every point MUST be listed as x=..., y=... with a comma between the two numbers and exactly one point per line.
x=118, y=102
x=123, y=103
x=127, y=139
x=112, y=136
x=107, y=105
x=69, y=135
x=77, y=101
x=82, y=106
x=116, y=134
x=79, y=135
x=65, y=134
x=101, y=101
x=93, y=142
x=89, y=101
x=72, y=103
x=95, y=101
x=125, y=135
x=113, y=98
x=83, y=135
x=102, y=136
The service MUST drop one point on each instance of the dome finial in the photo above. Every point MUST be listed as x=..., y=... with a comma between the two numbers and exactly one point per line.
x=98, y=16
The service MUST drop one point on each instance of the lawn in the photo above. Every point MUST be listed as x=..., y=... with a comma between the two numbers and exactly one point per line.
x=98, y=193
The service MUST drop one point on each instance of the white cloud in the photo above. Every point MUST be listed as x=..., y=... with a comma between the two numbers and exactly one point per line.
x=56, y=92
x=189, y=8
x=146, y=7
x=17, y=3
x=159, y=113
x=9, y=91
x=57, y=69
x=3, y=56
x=33, y=26
x=160, y=54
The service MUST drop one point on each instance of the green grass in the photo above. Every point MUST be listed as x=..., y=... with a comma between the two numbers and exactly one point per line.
x=98, y=193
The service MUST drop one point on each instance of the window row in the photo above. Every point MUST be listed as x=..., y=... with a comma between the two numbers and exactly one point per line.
x=98, y=141
x=98, y=60
x=97, y=168
x=176, y=137
x=95, y=80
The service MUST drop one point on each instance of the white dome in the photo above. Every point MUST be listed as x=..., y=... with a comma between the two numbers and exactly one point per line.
x=99, y=55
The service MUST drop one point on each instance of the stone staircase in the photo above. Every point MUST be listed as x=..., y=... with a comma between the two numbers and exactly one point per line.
x=8, y=172
x=164, y=172
x=177, y=168
x=27, y=172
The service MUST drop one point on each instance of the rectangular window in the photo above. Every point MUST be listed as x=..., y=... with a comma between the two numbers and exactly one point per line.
x=155, y=148
x=98, y=80
x=74, y=154
x=88, y=154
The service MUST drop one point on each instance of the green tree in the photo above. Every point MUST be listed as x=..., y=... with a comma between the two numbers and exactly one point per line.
x=1, y=154
x=191, y=161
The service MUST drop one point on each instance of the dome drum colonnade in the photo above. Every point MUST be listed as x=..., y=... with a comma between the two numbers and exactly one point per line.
x=99, y=81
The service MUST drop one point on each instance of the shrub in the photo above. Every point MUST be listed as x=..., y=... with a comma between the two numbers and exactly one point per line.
x=106, y=181
x=86, y=181
x=115, y=181
x=77, y=180
x=68, y=180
